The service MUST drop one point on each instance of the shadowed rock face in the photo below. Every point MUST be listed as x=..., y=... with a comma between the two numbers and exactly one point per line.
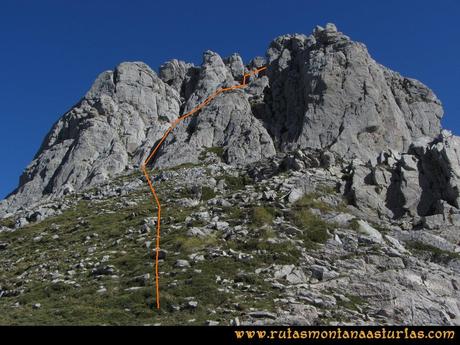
x=421, y=182
x=322, y=92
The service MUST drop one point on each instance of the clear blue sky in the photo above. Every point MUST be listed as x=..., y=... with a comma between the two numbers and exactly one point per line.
x=52, y=50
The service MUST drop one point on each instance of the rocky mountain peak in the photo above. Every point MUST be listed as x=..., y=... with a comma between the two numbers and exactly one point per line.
x=108, y=132
x=328, y=93
x=321, y=92
x=326, y=184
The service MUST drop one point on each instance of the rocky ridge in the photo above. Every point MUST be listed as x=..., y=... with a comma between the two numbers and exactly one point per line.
x=321, y=91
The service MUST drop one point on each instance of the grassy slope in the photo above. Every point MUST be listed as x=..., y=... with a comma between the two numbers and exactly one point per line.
x=118, y=236
x=224, y=286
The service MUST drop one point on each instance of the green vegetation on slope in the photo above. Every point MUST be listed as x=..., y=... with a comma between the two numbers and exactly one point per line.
x=107, y=233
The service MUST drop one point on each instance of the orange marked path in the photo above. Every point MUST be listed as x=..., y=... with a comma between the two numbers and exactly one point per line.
x=155, y=150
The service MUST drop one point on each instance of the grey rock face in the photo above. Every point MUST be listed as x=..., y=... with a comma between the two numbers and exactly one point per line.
x=236, y=66
x=227, y=122
x=327, y=92
x=321, y=93
x=111, y=129
x=114, y=127
x=213, y=74
x=422, y=182
x=175, y=73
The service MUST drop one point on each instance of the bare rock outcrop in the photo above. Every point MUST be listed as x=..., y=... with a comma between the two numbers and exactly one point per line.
x=320, y=93
x=327, y=92
x=227, y=122
x=109, y=131
x=422, y=182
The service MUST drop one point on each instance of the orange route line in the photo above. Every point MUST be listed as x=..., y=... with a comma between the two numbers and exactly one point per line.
x=155, y=150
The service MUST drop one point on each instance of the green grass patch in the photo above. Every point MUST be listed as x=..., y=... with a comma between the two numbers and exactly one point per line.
x=235, y=183
x=436, y=254
x=326, y=189
x=184, y=166
x=353, y=302
x=207, y=193
x=176, y=215
x=119, y=237
x=380, y=228
x=235, y=215
x=7, y=222
x=315, y=230
x=353, y=224
x=188, y=245
x=267, y=253
x=261, y=216
x=311, y=200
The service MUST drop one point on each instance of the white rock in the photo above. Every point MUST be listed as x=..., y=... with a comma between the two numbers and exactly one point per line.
x=368, y=230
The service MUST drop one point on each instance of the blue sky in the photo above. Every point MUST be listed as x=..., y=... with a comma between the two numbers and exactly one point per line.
x=52, y=50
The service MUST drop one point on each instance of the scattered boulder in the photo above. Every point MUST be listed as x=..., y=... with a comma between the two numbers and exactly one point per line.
x=103, y=270
x=369, y=231
x=182, y=264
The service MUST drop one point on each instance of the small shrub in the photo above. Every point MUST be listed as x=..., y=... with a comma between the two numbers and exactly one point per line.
x=284, y=253
x=315, y=229
x=207, y=193
x=380, y=228
x=261, y=216
x=218, y=151
x=235, y=215
x=193, y=244
x=353, y=303
x=326, y=189
x=354, y=225
x=7, y=222
x=436, y=254
x=310, y=200
x=235, y=183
